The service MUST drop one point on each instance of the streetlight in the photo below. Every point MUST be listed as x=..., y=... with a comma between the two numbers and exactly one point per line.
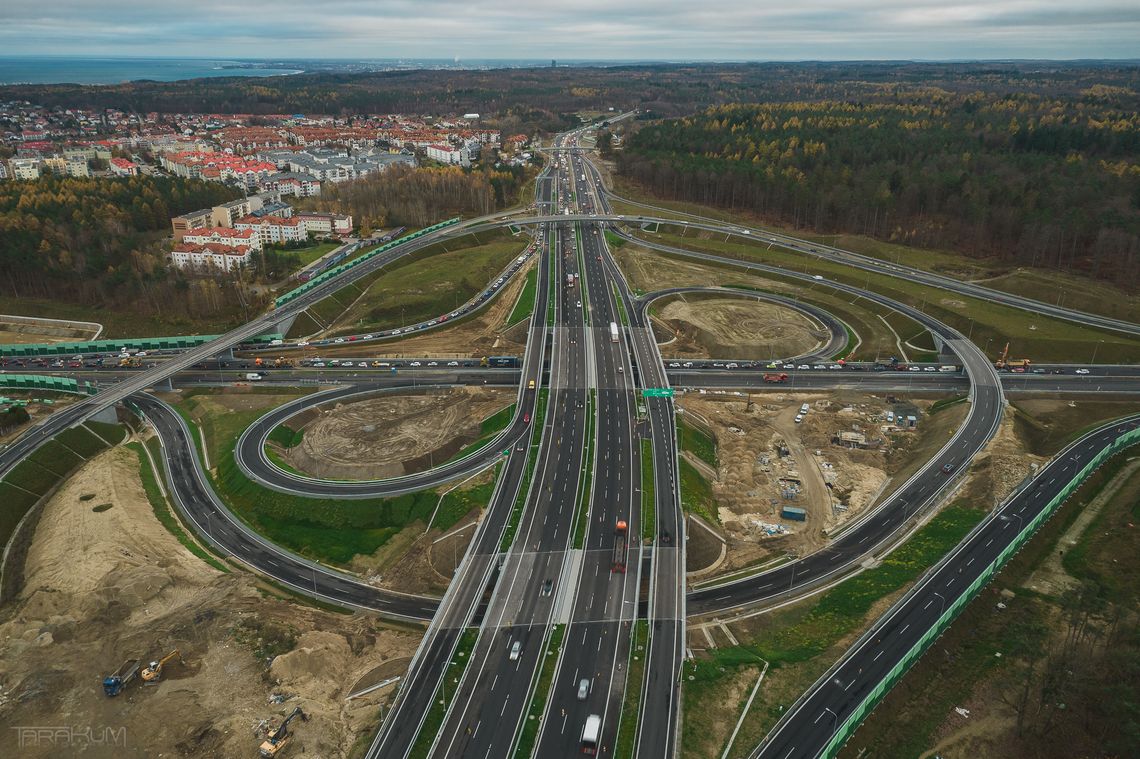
x=942, y=608
x=1093, y=359
x=834, y=718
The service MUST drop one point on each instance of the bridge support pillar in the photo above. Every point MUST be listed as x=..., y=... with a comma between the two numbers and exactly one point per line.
x=226, y=355
x=282, y=327
x=165, y=384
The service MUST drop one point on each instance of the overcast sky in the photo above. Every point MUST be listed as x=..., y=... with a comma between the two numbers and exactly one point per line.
x=575, y=29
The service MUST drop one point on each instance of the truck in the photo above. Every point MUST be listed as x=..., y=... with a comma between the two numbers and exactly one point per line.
x=252, y=377
x=613, y=332
x=590, y=732
x=569, y=279
x=776, y=377
x=114, y=683
x=621, y=532
x=947, y=369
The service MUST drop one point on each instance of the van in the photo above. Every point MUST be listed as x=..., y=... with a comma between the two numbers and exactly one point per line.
x=804, y=409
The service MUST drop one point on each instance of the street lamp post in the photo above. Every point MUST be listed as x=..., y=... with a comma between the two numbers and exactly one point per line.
x=942, y=608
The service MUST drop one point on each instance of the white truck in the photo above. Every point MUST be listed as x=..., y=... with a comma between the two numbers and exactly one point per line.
x=253, y=377
x=613, y=332
x=590, y=733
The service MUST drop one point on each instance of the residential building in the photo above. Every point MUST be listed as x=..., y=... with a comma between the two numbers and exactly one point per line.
x=222, y=236
x=188, y=221
x=226, y=214
x=25, y=168
x=273, y=230
x=210, y=255
x=459, y=156
x=325, y=223
x=121, y=167
x=292, y=183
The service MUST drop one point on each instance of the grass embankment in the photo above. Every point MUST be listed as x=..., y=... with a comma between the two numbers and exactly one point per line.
x=1046, y=426
x=582, y=520
x=807, y=637
x=537, y=423
x=533, y=720
x=697, y=442
x=325, y=529
x=1038, y=337
x=524, y=306
x=489, y=429
x=634, y=681
x=648, y=492
x=307, y=255
x=444, y=694
x=122, y=322
x=1068, y=641
x=49, y=465
x=419, y=286
x=1048, y=286
x=161, y=507
x=696, y=493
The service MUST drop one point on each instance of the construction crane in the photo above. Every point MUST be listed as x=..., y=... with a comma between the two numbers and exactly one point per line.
x=1005, y=362
x=153, y=672
x=280, y=737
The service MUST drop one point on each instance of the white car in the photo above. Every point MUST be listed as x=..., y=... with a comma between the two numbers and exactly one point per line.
x=339, y=340
x=415, y=363
x=368, y=337
x=453, y=363
x=789, y=366
x=363, y=364
x=302, y=344
x=817, y=277
x=674, y=365
x=799, y=418
x=929, y=369
x=914, y=369
x=516, y=649
x=803, y=366
x=433, y=363
x=1082, y=371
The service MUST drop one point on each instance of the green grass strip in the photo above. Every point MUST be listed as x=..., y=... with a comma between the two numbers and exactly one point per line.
x=583, y=517
x=631, y=706
x=161, y=506
x=620, y=305
x=697, y=442
x=538, y=421
x=533, y=720
x=648, y=494
x=524, y=306
x=444, y=694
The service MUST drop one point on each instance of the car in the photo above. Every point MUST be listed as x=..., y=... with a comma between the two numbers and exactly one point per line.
x=1039, y=371
x=929, y=369
x=547, y=586
x=377, y=363
x=799, y=418
x=688, y=364
x=914, y=369
x=803, y=366
x=397, y=331
x=530, y=384
x=819, y=366
x=732, y=365
x=947, y=468
x=339, y=340
x=353, y=338
x=516, y=649
x=789, y=366
x=433, y=363
x=453, y=363
x=415, y=363
x=674, y=365
x=363, y=364
x=579, y=304
x=303, y=344
x=583, y=688
x=817, y=277
x=526, y=418
x=1082, y=371
x=319, y=364
x=666, y=537
x=140, y=354
x=621, y=370
x=368, y=337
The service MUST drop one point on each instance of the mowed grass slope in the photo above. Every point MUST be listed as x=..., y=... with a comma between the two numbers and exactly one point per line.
x=421, y=287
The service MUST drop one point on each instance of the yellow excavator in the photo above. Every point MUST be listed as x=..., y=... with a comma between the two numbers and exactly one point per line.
x=153, y=672
x=279, y=738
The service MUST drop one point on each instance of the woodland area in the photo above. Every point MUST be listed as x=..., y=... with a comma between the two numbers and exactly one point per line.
x=1049, y=181
x=418, y=197
x=100, y=242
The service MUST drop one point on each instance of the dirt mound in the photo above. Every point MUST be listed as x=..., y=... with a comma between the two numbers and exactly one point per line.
x=392, y=435
x=736, y=328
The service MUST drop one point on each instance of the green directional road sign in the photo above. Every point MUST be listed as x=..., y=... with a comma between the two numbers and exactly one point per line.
x=657, y=392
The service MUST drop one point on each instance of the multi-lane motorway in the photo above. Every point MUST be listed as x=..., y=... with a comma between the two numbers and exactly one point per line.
x=560, y=499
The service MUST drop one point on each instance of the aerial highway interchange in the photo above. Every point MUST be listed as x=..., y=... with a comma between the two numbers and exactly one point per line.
x=561, y=571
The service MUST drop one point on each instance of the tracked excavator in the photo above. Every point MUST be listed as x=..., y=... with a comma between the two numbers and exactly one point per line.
x=153, y=672
x=279, y=738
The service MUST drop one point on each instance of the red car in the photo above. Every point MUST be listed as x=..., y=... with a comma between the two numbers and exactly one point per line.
x=526, y=418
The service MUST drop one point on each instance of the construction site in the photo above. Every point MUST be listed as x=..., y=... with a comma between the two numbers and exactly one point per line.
x=143, y=649
x=703, y=326
x=792, y=467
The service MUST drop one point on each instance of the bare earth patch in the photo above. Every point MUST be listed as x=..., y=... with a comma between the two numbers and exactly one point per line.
x=391, y=435
x=104, y=587
x=735, y=328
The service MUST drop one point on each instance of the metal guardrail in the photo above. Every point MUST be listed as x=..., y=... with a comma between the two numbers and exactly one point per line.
x=853, y=720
